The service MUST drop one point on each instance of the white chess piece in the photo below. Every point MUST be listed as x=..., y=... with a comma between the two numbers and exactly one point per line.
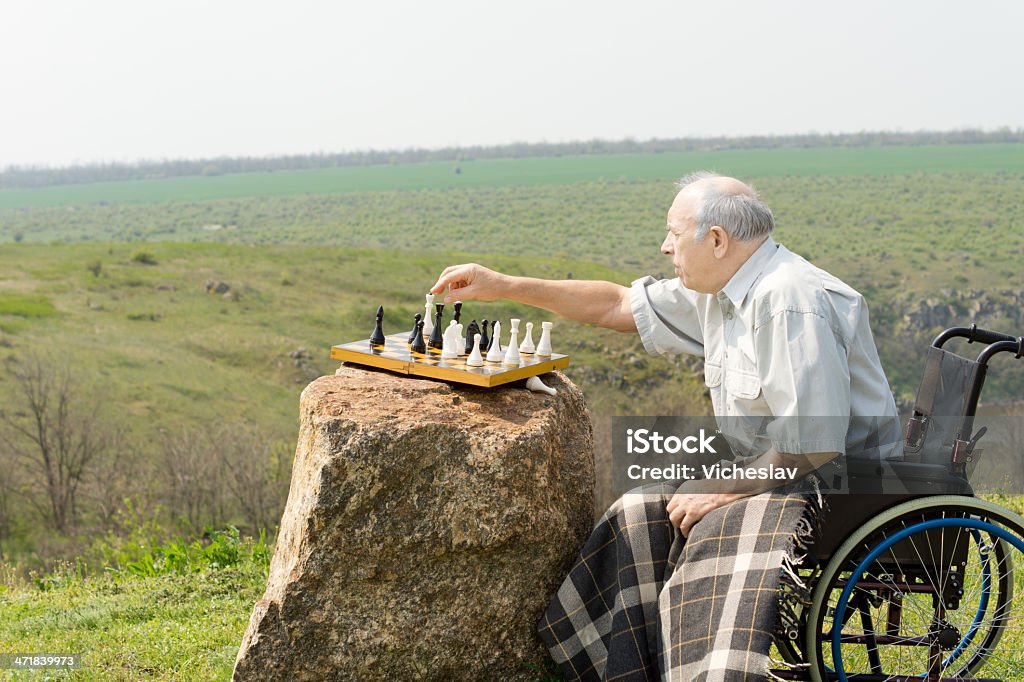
x=475, y=359
x=535, y=384
x=527, y=345
x=428, y=318
x=544, y=347
x=450, y=349
x=494, y=353
x=460, y=340
x=512, y=354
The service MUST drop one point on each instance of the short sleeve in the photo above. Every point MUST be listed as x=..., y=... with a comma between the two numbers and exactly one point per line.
x=805, y=379
x=667, y=316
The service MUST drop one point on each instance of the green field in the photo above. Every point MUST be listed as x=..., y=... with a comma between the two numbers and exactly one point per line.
x=112, y=279
x=532, y=172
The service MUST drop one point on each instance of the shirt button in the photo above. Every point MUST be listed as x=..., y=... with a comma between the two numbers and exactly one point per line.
x=728, y=316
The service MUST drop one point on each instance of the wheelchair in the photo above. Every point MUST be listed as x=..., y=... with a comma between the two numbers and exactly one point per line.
x=924, y=581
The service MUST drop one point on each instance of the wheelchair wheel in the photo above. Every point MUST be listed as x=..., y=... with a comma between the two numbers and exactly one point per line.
x=925, y=590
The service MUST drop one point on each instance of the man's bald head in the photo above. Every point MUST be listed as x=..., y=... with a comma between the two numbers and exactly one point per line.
x=728, y=203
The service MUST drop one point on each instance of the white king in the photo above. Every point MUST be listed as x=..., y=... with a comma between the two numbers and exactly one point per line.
x=428, y=317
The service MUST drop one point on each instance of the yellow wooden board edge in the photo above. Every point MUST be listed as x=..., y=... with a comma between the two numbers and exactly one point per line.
x=434, y=372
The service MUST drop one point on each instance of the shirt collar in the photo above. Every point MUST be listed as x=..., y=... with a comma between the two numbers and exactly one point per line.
x=737, y=287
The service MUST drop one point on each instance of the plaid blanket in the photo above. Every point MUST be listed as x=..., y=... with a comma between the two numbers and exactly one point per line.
x=644, y=603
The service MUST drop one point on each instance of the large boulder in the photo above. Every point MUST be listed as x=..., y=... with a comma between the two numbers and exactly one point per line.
x=427, y=526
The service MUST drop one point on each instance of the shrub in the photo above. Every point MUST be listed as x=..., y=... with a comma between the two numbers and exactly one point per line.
x=144, y=257
x=95, y=267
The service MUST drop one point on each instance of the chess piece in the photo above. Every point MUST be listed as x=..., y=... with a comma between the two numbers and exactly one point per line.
x=418, y=345
x=460, y=340
x=527, y=345
x=485, y=341
x=458, y=310
x=377, y=337
x=436, y=341
x=536, y=385
x=475, y=359
x=415, y=325
x=472, y=329
x=428, y=326
x=544, y=347
x=451, y=346
x=512, y=354
x=494, y=353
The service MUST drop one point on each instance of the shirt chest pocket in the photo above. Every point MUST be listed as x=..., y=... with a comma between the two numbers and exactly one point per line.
x=742, y=385
x=735, y=393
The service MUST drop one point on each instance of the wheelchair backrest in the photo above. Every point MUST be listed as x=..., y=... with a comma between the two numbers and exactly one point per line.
x=940, y=407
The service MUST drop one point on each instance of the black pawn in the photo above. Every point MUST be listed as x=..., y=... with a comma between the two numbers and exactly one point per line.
x=458, y=311
x=377, y=337
x=472, y=329
x=485, y=341
x=417, y=329
x=418, y=346
x=436, y=338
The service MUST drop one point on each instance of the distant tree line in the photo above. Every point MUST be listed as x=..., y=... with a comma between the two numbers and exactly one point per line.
x=25, y=176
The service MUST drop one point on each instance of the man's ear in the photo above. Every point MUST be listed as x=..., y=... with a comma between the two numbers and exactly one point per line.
x=719, y=240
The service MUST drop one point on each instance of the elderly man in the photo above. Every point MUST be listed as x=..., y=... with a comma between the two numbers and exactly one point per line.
x=788, y=355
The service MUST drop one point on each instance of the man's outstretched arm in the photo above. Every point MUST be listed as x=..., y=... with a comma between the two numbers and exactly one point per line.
x=604, y=304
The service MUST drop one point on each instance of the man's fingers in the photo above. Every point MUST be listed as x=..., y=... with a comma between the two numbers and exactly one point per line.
x=458, y=292
x=686, y=525
x=451, y=275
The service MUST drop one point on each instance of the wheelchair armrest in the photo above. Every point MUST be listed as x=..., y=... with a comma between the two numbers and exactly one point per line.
x=895, y=477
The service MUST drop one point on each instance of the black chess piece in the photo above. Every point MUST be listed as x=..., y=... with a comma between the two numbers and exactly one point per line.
x=418, y=345
x=436, y=337
x=416, y=328
x=471, y=329
x=377, y=337
x=458, y=311
x=485, y=341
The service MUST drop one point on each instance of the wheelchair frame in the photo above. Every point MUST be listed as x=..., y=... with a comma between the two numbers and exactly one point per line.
x=887, y=562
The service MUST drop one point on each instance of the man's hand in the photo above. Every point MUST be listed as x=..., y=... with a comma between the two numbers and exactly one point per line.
x=687, y=507
x=469, y=281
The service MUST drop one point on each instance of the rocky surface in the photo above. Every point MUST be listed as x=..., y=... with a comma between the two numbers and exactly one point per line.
x=426, y=528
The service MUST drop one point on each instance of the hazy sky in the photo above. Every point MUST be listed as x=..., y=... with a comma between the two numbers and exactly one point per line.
x=102, y=81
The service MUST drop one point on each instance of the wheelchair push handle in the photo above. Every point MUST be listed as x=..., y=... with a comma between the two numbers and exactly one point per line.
x=972, y=334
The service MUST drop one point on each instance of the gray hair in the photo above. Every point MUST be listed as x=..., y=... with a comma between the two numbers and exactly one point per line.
x=741, y=214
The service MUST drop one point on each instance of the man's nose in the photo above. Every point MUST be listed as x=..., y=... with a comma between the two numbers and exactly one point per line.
x=666, y=247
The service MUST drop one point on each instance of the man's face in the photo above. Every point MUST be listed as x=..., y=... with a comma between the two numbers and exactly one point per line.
x=694, y=262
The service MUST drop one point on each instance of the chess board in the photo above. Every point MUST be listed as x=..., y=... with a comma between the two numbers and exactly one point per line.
x=395, y=356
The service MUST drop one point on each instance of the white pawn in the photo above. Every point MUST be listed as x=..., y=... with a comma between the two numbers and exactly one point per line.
x=475, y=359
x=450, y=349
x=527, y=345
x=494, y=353
x=535, y=384
x=460, y=340
x=428, y=323
x=544, y=347
x=512, y=354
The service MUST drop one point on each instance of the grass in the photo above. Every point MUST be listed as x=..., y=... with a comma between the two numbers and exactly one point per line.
x=531, y=172
x=137, y=625
x=27, y=306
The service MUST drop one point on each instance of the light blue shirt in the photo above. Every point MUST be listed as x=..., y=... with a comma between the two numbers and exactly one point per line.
x=788, y=353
